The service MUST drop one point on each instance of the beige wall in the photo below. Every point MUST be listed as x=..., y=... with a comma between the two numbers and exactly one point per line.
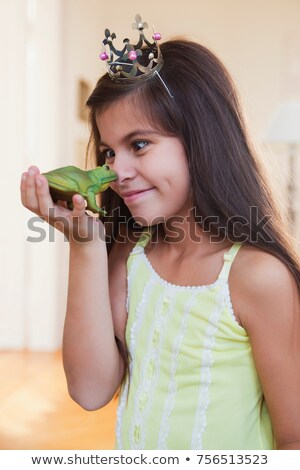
x=257, y=40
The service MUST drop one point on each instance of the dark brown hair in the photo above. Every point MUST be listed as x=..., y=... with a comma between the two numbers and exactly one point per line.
x=226, y=176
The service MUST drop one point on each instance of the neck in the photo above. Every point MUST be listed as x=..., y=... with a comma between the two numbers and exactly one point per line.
x=183, y=235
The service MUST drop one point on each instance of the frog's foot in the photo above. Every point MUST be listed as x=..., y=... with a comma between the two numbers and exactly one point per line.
x=102, y=211
x=92, y=204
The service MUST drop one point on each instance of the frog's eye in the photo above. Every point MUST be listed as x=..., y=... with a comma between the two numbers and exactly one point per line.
x=106, y=167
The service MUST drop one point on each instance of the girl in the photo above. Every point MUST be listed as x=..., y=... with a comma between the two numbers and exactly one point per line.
x=192, y=306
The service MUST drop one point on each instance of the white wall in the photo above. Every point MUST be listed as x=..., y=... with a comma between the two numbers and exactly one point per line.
x=11, y=125
x=258, y=41
x=31, y=132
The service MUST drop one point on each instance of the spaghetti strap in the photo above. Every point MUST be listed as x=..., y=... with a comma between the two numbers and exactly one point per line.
x=228, y=259
x=144, y=238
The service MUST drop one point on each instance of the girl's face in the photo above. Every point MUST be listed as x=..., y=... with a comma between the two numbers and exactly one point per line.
x=153, y=175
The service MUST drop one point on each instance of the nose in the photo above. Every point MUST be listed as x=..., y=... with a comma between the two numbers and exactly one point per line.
x=124, y=167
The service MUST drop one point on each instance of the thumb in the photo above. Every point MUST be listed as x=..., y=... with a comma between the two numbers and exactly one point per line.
x=79, y=205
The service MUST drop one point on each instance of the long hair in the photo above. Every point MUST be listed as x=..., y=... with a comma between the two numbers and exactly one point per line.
x=232, y=197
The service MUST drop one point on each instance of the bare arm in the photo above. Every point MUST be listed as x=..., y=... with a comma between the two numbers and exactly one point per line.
x=92, y=362
x=271, y=315
x=96, y=314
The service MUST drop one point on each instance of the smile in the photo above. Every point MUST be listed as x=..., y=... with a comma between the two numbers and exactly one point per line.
x=133, y=196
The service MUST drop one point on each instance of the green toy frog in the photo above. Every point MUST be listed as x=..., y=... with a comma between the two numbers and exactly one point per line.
x=69, y=180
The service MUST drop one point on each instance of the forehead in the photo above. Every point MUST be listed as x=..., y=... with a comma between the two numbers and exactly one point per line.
x=121, y=117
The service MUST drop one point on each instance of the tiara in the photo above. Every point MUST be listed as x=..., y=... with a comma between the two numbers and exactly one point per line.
x=134, y=62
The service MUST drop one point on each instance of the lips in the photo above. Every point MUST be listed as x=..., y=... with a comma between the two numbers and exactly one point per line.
x=132, y=196
x=138, y=191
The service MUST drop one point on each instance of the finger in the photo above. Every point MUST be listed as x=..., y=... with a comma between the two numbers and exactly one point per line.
x=34, y=169
x=79, y=206
x=30, y=194
x=23, y=188
x=45, y=202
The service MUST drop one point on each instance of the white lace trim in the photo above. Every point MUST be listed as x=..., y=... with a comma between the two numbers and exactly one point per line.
x=228, y=303
x=169, y=285
x=149, y=371
x=135, y=264
x=172, y=389
x=134, y=331
x=205, y=373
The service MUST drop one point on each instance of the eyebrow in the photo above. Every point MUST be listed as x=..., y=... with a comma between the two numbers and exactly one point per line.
x=133, y=134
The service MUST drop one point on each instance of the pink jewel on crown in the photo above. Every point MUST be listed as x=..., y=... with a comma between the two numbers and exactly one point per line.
x=134, y=62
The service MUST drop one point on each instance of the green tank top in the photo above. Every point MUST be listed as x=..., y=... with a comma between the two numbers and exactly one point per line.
x=193, y=383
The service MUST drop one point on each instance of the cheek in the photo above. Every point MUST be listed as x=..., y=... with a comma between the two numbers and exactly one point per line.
x=178, y=178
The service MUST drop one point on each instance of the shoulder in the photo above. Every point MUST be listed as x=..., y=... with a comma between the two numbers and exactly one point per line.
x=262, y=286
x=262, y=268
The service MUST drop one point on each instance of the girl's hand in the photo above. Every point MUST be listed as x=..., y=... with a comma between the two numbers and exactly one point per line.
x=76, y=225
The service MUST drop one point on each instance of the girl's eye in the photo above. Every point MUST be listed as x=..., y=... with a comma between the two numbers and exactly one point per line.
x=140, y=144
x=108, y=154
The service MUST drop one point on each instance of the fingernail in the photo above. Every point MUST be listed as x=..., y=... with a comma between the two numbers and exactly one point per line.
x=31, y=171
x=24, y=176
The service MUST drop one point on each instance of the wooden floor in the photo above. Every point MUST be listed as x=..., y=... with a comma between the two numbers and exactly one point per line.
x=36, y=411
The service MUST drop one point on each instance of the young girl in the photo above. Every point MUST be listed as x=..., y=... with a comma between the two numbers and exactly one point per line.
x=191, y=308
